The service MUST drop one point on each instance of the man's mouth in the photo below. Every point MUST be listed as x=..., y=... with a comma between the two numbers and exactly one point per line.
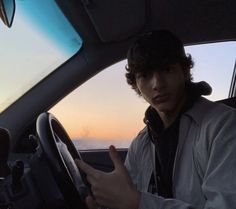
x=160, y=98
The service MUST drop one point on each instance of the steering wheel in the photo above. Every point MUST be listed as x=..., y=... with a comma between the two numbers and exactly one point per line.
x=61, y=153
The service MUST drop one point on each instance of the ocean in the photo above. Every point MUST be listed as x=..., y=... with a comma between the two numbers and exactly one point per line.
x=89, y=143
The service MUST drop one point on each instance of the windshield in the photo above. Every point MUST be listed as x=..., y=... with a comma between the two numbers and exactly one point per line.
x=39, y=41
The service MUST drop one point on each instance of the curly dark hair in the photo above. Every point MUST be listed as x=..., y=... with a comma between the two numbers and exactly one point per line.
x=156, y=50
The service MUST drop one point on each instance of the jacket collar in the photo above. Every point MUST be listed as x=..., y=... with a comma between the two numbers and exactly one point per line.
x=199, y=110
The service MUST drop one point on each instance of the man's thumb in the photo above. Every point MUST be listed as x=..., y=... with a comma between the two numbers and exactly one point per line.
x=115, y=157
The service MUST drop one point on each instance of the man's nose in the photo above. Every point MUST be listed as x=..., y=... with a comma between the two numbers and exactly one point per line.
x=157, y=81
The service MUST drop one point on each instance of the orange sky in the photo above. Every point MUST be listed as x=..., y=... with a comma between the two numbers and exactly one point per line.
x=102, y=109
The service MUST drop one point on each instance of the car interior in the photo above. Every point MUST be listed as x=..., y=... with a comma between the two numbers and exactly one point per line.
x=37, y=168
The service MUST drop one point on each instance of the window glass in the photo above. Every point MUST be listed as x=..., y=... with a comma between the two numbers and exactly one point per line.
x=214, y=63
x=105, y=110
x=39, y=41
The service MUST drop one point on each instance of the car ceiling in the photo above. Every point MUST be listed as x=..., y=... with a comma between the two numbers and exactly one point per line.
x=107, y=28
x=195, y=21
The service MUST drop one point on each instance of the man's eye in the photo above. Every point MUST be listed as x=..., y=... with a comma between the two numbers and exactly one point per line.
x=142, y=75
x=169, y=69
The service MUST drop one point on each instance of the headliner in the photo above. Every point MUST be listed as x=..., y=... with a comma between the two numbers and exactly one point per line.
x=195, y=21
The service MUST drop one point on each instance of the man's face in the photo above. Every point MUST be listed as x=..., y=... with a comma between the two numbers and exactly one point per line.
x=163, y=89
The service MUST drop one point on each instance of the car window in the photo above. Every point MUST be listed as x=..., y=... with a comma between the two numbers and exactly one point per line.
x=102, y=111
x=214, y=63
x=38, y=42
x=105, y=110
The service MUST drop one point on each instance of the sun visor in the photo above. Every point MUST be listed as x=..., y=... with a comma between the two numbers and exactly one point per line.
x=116, y=20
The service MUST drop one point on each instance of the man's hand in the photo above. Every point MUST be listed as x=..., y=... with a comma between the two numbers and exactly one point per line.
x=112, y=190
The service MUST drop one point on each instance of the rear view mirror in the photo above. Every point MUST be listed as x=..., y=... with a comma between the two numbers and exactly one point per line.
x=7, y=11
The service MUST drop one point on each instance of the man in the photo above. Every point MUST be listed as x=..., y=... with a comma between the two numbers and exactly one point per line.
x=185, y=156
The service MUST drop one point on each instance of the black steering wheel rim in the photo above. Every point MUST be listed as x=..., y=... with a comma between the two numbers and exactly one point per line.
x=60, y=153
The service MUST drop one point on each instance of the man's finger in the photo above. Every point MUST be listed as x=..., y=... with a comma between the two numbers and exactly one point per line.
x=85, y=167
x=115, y=157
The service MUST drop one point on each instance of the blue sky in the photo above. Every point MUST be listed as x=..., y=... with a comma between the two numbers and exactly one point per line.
x=214, y=63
